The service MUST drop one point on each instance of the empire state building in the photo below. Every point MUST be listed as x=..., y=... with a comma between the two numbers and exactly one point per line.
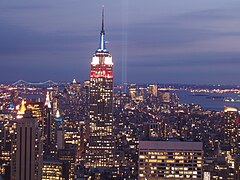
x=100, y=146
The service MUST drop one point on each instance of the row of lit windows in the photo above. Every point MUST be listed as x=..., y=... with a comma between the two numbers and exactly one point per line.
x=170, y=176
x=101, y=147
x=164, y=163
x=171, y=172
x=172, y=153
x=170, y=161
x=170, y=156
x=174, y=166
x=165, y=168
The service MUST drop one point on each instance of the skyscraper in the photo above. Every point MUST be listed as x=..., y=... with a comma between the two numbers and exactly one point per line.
x=27, y=157
x=49, y=147
x=230, y=129
x=99, y=150
x=231, y=139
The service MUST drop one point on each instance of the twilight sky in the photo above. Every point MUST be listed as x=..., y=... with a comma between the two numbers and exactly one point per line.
x=157, y=41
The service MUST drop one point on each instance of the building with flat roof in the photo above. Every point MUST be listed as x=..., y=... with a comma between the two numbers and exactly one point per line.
x=172, y=159
x=55, y=169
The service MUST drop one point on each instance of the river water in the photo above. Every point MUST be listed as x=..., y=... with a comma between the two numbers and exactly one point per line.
x=212, y=101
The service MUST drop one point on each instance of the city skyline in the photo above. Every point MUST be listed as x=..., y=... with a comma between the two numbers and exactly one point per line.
x=171, y=42
x=90, y=128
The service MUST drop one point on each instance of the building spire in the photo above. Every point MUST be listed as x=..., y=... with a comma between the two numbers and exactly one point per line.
x=48, y=102
x=102, y=47
x=103, y=20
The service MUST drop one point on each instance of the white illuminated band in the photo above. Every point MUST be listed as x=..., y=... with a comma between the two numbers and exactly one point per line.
x=107, y=60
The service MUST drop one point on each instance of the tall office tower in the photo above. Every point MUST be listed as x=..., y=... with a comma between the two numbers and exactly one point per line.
x=165, y=97
x=100, y=146
x=154, y=130
x=59, y=131
x=27, y=157
x=153, y=89
x=7, y=126
x=173, y=159
x=231, y=141
x=85, y=97
x=49, y=129
x=132, y=91
x=55, y=103
x=230, y=128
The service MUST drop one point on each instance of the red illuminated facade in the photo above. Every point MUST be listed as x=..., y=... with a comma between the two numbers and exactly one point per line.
x=101, y=69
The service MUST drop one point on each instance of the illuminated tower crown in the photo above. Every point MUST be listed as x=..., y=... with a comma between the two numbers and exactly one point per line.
x=47, y=101
x=101, y=65
x=21, y=110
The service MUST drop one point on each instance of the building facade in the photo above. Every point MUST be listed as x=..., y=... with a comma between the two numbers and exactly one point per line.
x=173, y=159
x=27, y=154
x=231, y=128
x=55, y=170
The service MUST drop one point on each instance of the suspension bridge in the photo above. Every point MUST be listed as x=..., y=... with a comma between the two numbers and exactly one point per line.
x=22, y=82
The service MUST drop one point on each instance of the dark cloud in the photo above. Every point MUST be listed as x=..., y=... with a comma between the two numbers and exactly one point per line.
x=166, y=35
x=208, y=15
x=187, y=68
x=188, y=60
x=25, y=7
x=16, y=39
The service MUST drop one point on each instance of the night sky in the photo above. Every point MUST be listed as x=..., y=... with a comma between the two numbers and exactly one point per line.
x=156, y=41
